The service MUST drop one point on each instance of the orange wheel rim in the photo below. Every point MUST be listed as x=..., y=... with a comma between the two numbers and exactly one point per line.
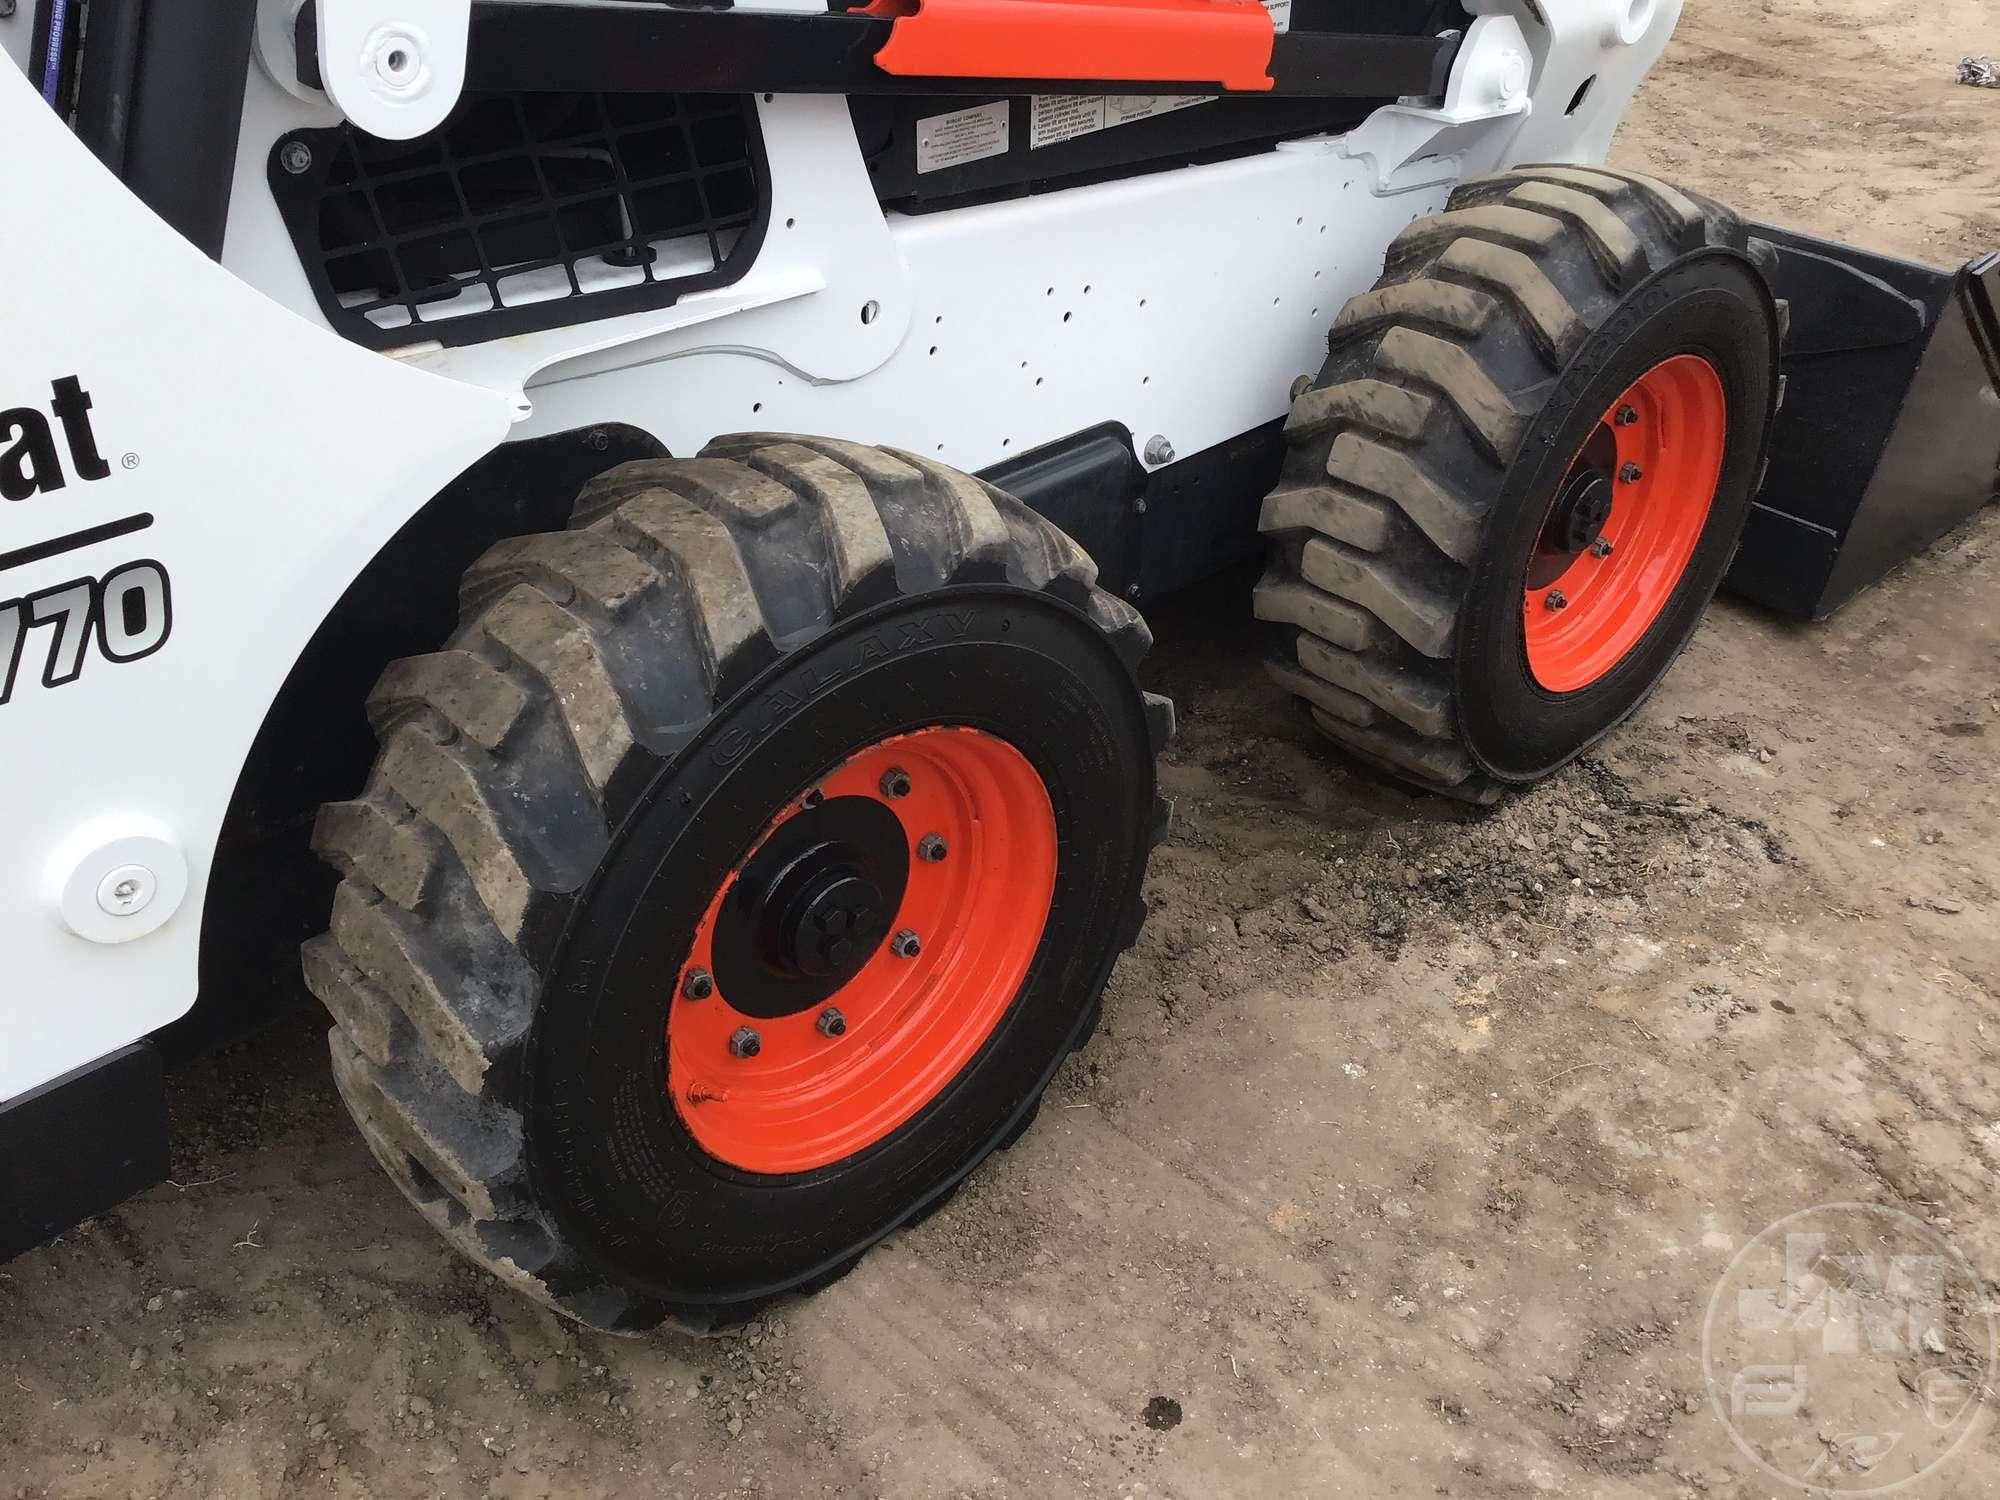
x=831, y=1077
x=1620, y=533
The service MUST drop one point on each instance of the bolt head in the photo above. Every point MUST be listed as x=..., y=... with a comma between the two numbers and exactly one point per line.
x=930, y=848
x=295, y=157
x=895, y=783
x=1600, y=548
x=698, y=984
x=831, y=1022
x=1158, y=450
x=905, y=944
x=744, y=1042
x=127, y=891
x=1627, y=416
x=1556, y=600
x=1631, y=474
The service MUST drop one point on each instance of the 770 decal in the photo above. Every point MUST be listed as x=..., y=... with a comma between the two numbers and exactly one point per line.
x=125, y=615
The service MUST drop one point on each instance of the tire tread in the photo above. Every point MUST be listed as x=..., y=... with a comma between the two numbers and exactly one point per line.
x=508, y=756
x=1395, y=454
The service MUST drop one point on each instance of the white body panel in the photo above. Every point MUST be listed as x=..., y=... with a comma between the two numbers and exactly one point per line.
x=276, y=459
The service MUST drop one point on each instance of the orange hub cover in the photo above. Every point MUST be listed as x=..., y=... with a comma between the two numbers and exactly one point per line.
x=1625, y=524
x=924, y=973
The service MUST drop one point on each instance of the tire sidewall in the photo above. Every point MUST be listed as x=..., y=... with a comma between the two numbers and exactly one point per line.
x=610, y=1157
x=1713, y=304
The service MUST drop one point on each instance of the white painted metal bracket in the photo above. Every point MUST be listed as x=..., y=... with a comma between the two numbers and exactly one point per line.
x=394, y=67
x=1412, y=146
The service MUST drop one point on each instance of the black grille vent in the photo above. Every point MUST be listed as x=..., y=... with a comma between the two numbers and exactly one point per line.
x=519, y=207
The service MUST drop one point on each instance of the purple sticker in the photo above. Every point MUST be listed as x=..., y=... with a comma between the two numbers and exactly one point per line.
x=52, y=56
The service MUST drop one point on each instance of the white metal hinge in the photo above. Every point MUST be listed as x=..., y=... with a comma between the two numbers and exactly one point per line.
x=395, y=68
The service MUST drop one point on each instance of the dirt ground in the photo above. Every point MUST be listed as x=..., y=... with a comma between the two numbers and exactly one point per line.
x=1414, y=1143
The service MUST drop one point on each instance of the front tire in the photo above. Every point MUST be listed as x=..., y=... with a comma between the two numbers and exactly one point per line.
x=629, y=993
x=1521, y=475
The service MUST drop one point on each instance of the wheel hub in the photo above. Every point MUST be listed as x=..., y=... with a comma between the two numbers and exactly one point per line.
x=834, y=919
x=810, y=907
x=1582, y=510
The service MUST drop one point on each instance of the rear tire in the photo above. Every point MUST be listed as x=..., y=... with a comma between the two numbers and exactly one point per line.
x=1424, y=464
x=628, y=711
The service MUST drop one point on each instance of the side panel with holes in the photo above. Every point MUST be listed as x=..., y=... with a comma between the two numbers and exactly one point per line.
x=871, y=325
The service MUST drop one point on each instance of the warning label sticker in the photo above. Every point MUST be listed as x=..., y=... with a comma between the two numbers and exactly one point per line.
x=1280, y=12
x=961, y=136
x=1062, y=117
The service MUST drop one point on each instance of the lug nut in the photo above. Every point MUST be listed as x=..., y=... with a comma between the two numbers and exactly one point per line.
x=895, y=782
x=1626, y=417
x=831, y=1022
x=698, y=985
x=930, y=849
x=744, y=1042
x=905, y=945
x=1631, y=473
x=1556, y=600
x=1600, y=548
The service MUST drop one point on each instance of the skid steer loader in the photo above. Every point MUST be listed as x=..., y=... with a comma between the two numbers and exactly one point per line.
x=617, y=526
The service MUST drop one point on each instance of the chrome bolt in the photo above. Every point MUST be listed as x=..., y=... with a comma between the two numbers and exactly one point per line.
x=1626, y=417
x=930, y=848
x=1600, y=548
x=1557, y=599
x=295, y=157
x=1158, y=450
x=1631, y=473
x=127, y=891
x=895, y=783
x=831, y=1022
x=744, y=1042
x=905, y=945
x=698, y=985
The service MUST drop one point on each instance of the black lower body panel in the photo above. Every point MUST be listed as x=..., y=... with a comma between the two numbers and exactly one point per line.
x=1150, y=533
x=1890, y=434
x=81, y=1144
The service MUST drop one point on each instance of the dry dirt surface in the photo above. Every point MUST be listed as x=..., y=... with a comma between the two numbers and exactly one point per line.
x=1414, y=1143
